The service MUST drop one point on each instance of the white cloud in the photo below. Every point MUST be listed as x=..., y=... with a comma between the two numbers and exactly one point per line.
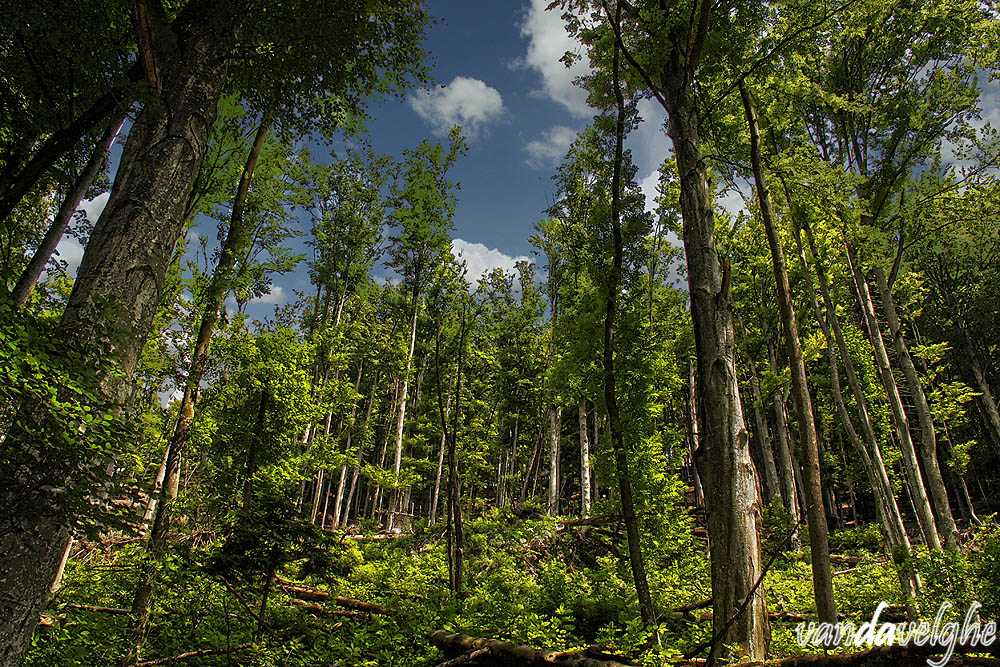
x=275, y=295
x=550, y=148
x=466, y=102
x=70, y=251
x=479, y=259
x=548, y=41
x=94, y=207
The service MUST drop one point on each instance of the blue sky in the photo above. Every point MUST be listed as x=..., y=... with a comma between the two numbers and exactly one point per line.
x=497, y=72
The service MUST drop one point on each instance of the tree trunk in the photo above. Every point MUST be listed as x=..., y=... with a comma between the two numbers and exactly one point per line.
x=584, y=460
x=786, y=462
x=771, y=480
x=55, y=232
x=124, y=266
x=928, y=438
x=695, y=439
x=397, y=460
x=886, y=508
x=440, y=466
x=911, y=467
x=635, y=558
x=815, y=511
x=555, y=429
x=724, y=461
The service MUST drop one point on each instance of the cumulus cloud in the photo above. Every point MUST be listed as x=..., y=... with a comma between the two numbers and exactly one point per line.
x=465, y=101
x=550, y=148
x=275, y=295
x=479, y=259
x=547, y=43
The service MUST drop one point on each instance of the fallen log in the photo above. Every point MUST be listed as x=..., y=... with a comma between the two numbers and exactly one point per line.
x=506, y=654
x=194, y=654
x=90, y=607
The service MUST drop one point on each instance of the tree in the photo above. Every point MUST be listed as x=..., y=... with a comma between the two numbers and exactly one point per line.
x=123, y=268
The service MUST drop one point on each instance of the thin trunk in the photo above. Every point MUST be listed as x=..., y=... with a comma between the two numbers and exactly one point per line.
x=584, y=460
x=771, y=479
x=440, y=466
x=979, y=376
x=786, y=462
x=555, y=430
x=56, y=145
x=636, y=561
x=815, y=511
x=911, y=467
x=402, y=415
x=59, y=224
x=928, y=437
x=886, y=508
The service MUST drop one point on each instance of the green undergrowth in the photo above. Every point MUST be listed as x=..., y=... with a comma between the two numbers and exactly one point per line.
x=528, y=580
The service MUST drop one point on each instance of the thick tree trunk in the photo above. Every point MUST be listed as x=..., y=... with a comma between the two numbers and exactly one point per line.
x=911, y=467
x=815, y=511
x=26, y=282
x=555, y=431
x=118, y=284
x=584, y=459
x=724, y=461
x=928, y=437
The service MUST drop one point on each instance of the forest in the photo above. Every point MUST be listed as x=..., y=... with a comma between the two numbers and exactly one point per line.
x=679, y=435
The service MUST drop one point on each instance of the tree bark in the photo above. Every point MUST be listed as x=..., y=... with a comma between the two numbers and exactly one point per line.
x=397, y=460
x=928, y=437
x=815, y=512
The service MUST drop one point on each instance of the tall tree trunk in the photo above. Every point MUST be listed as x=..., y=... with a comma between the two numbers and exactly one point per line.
x=584, y=459
x=214, y=298
x=440, y=466
x=124, y=266
x=815, y=512
x=727, y=471
x=928, y=438
x=772, y=483
x=455, y=531
x=911, y=467
x=397, y=460
x=28, y=278
x=695, y=434
x=786, y=461
x=886, y=508
x=635, y=558
x=555, y=431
